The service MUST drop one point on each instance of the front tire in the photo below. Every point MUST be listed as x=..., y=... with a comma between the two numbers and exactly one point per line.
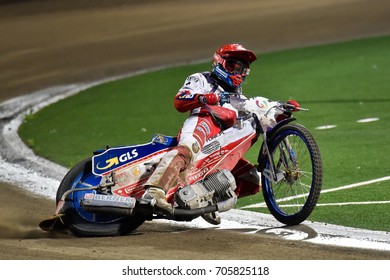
x=292, y=197
x=82, y=223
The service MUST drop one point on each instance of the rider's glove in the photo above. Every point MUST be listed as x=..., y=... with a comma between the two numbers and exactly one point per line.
x=209, y=98
x=295, y=105
x=289, y=107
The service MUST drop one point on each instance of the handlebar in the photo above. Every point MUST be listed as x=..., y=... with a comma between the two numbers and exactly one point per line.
x=290, y=107
x=266, y=106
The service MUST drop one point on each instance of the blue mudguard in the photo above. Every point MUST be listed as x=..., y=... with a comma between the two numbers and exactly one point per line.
x=105, y=161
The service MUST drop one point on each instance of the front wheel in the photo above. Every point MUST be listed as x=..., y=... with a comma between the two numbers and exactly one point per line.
x=292, y=191
x=82, y=223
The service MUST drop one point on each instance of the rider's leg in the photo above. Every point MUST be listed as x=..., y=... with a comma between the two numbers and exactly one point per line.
x=166, y=173
x=165, y=176
x=193, y=135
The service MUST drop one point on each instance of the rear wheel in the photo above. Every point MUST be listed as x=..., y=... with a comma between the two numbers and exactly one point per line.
x=82, y=223
x=293, y=194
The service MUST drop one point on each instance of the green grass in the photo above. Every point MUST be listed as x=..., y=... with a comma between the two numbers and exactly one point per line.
x=339, y=83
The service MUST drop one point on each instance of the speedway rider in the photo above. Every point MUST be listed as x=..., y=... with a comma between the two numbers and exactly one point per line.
x=202, y=95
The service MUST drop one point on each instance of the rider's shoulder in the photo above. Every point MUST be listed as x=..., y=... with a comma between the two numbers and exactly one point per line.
x=196, y=79
x=197, y=76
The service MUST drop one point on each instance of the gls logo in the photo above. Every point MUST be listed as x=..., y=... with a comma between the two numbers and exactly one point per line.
x=116, y=160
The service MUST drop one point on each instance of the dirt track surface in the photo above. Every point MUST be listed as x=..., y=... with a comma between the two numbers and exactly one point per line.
x=47, y=43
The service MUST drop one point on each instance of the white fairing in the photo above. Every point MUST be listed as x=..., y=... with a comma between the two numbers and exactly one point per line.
x=260, y=106
x=264, y=109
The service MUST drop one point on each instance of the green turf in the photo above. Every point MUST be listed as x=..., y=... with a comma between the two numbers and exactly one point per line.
x=339, y=83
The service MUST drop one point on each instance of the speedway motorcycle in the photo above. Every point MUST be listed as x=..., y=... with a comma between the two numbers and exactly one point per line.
x=103, y=194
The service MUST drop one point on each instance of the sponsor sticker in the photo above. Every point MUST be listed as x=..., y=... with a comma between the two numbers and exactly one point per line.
x=112, y=162
x=195, y=147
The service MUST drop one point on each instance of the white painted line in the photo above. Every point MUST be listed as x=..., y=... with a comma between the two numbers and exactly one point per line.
x=333, y=204
x=330, y=126
x=262, y=204
x=326, y=127
x=368, y=120
x=248, y=222
x=354, y=203
x=369, y=182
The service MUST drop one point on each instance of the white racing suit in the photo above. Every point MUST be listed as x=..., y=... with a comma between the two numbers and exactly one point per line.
x=199, y=126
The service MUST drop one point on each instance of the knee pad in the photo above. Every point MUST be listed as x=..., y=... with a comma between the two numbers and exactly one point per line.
x=185, y=153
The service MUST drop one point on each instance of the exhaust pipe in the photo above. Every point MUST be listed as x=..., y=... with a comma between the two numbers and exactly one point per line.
x=118, y=205
x=108, y=204
x=222, y=206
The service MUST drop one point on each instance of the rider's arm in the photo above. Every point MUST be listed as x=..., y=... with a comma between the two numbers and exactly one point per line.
x=194, y=93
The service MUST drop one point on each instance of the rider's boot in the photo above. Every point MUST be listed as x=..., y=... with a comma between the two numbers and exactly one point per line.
x=158, y=200
x=165, y=177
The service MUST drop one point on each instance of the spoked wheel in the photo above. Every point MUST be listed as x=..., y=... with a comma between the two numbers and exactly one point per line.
x=291, y=192
x=82, y=223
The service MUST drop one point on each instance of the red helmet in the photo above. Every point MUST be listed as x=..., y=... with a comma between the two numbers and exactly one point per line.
x=236, y=51
x=231, y=63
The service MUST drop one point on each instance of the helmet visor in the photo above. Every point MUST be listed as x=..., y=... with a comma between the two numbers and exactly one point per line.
x=236, y=67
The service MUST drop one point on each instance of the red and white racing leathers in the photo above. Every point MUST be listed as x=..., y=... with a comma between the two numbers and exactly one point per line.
x=204, y=122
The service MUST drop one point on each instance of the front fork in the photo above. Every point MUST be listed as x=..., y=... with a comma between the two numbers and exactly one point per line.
x=274, y=173
x=271, y=174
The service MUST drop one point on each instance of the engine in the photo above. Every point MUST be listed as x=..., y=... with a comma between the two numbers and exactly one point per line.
x=214, y=188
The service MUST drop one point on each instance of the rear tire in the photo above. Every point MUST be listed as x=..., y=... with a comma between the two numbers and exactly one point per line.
x=86, y=224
